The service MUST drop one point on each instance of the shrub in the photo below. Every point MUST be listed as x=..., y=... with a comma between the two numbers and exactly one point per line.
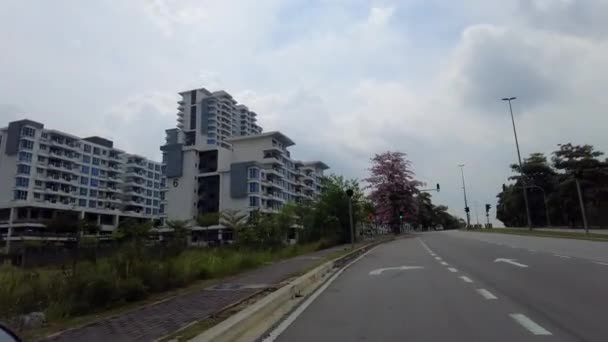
x=132, y=289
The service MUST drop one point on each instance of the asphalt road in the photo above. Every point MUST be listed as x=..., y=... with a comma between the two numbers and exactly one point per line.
x=459, y=292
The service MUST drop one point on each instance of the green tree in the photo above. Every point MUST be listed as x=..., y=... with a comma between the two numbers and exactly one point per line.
x=208, y=219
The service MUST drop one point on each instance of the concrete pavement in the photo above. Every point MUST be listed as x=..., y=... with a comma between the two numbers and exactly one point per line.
x=460, y=293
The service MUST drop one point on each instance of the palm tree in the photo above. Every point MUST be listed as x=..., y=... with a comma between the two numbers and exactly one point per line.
x=233, y=220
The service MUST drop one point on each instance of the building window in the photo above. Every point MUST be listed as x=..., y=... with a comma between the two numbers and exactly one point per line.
x=156, y=185
x=82, y=202
x=148, y=192
x=84, y=180
x=96, y=150
x=148, y=201
x=254, y=201
x=104, y=152
x=162, y=196
x=27, y=144
x=22, y=182
x=148, y=211
x=95, y=171
x=36, y=195
x=156, y=194
x=38, y=183
x=23, y=169
x=254, y=173
x=28, y=132
x=87, y=148
x=20, y=195
x=155, y=203
x=25, y=157
x=86, y=159
x=149, y=183
x=161, y=209
x=85, y=169
x=150, y=174
x=95, y=161
x=94, y=182
x=254, y=187
x=92, y=204
x=42, y=147
x=193, y=117
x=44, y=135
x=157, y=168
x=39, y=171
x=211, y=142
x=92, y=193
x=154, y=211
x=41, y=159
x=83, y=191
x=156, y=176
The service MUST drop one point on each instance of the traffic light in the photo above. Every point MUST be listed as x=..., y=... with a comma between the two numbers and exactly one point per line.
x=466, y=209
x=438, y=188
x=488, y=206
x=401, y=215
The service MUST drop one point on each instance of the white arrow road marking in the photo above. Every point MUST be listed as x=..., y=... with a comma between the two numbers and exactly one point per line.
x=529, y=324
x=486, y=294
x=399, y=268
x=510, y=261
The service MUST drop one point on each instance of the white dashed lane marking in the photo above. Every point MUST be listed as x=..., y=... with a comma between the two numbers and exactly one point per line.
x=529, y=324
x=466, y=279
x=486, y=294
x=452, y=269
x=444, y=263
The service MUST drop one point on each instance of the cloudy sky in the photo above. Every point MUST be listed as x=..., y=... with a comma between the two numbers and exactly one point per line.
x=344, y=78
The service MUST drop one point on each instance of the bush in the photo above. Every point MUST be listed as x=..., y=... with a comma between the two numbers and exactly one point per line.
x=132, y=289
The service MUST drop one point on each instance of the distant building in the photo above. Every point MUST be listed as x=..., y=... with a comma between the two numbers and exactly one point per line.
x=45, y=173
x=218, y=158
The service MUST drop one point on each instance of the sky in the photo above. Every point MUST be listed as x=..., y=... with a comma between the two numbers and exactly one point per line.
x=345, y=79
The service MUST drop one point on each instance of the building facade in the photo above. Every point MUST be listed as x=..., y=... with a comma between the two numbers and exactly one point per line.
x=45, y=173
x=218, y=159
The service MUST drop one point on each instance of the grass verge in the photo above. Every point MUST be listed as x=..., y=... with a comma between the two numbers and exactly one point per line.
x=547, y=233
x=201, y=326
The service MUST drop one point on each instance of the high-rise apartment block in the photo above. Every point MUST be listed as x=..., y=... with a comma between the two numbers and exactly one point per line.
x=45, y=173
x=218, y=158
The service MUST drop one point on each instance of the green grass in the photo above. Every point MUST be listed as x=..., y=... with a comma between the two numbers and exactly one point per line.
x=118, y=284
x=547, y=233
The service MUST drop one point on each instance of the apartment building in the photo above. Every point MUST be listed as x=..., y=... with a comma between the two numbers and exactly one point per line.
x=218, y=158
x=45, y=173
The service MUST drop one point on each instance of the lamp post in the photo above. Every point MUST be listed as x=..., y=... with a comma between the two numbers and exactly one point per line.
x=523, y=181
x=349, y=193
x=464, y=190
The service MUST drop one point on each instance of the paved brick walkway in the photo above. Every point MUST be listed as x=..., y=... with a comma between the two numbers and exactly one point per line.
x=158, y=320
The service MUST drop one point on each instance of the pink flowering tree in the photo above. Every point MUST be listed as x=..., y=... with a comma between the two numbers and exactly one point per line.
x=393, y=187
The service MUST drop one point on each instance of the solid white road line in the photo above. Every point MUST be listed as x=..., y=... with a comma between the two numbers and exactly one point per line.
x=486, y=294
x=273, y=335
x=601, y=263
x=444, y=263
x=532, y=250
x=452, y=269
x=466, y=279
x=529, y=324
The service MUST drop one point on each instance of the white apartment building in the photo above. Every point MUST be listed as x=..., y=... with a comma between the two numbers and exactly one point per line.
x=45, y=173
x=227, y=163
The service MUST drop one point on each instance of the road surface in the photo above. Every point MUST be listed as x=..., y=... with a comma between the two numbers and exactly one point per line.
x=463, y=286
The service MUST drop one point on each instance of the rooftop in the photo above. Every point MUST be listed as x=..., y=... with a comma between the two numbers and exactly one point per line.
x=274, y=134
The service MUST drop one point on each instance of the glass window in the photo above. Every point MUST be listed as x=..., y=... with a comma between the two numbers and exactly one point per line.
x=26, y=144
x=162, y=196
x=36, y=195
x=104, y=152
x=94, y=182
x=155, y=203
x=148, y=211
x=86, y=159
x=254, y=201
x=84, y=180
x=254, y=173
x=39, y=171
x=43, y=147
x=95, y=161
x=150, y=174
x=92, y=204
x=156, y=185
x=23, y=169
x=157, y=167
x=85, y=169
x=20, y=195
x=92, y=193
x=96, y=150
x=83, y=191
x=149, y=183
x=148, y=201
x=87, y=148
x=38, y=183
x=23, y=182
x=148, y=192
x=41, y=159
x=154, y=211
x=161, y=209
x=28, y=132
x=25, y=156
x=82, y=202
x=156, y=194
x=95, y=171
x=156, y=176
x=254, y=187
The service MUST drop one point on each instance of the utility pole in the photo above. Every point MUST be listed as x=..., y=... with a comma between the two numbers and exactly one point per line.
x=349, y=193
x=464, y=190
x=582, y=204
x=521, y=171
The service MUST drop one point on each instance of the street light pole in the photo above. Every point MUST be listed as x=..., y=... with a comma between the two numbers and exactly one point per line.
x=523, y=181
x=349, y=193
x=464, y=190
x=582, y=204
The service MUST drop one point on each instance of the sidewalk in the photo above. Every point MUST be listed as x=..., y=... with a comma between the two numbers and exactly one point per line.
x=157, y=320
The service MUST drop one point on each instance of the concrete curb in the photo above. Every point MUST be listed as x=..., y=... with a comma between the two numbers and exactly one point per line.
x=237, y=325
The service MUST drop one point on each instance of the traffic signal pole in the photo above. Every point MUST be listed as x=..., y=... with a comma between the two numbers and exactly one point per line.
x=464, y=190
